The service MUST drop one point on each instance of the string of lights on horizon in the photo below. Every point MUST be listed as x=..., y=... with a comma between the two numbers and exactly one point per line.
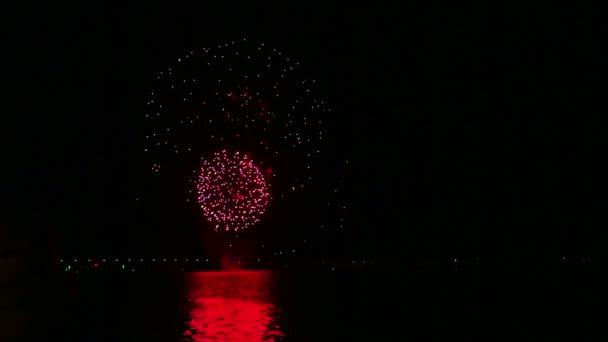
x=205, y=263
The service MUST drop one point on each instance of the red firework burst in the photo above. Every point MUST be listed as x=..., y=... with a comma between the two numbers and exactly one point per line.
x=232, y=191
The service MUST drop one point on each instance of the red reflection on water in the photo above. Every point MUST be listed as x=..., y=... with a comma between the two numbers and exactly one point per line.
x=231, y=306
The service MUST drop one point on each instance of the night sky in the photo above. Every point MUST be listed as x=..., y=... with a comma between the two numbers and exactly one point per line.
x=466, y=128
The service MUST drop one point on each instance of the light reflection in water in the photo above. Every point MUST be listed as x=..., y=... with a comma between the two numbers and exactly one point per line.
x=231, y=306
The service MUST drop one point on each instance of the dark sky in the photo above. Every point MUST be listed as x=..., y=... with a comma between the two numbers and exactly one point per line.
x=465, y=125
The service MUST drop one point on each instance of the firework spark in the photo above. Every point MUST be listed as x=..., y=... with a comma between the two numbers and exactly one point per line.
x=232, y=191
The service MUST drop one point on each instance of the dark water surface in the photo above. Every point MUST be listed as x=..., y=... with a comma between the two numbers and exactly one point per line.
x=296, y=306
x=238, y=306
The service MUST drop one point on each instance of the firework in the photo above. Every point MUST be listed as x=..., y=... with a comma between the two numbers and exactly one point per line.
x=232, y=191
x=237, y=97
